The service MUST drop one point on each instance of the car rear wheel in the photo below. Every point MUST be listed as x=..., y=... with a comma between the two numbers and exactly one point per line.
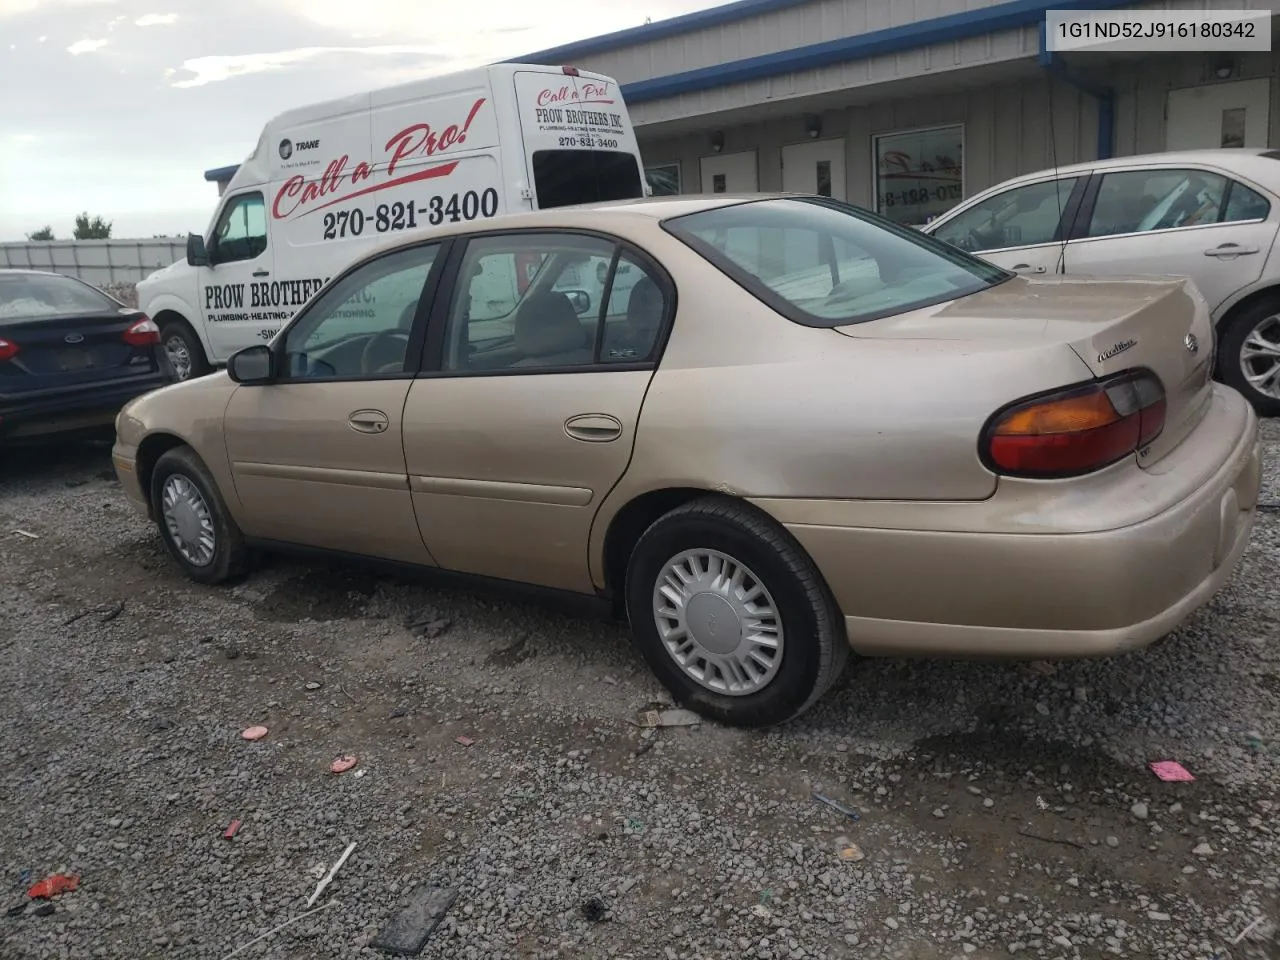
x=1249, y=355
x=193, y=519
x=731, y=614
x=183, y=349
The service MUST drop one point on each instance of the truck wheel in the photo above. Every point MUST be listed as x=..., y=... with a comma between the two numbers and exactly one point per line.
x=183, y=349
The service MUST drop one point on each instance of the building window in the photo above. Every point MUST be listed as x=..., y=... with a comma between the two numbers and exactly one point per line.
x=919, y=174
x=663, y=179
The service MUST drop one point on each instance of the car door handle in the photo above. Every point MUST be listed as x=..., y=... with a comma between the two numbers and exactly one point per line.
x=262, y=273
x=369, y=421
x=1026, y=268
x=1230, y=250
x=593, y=427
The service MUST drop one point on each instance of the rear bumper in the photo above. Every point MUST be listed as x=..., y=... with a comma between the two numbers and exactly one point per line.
x=981, y=591
x=70, y=411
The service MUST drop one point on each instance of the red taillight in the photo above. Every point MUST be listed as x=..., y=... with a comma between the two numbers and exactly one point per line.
x=1076, y=430
x=8, y=349
x=142, y=333
x=570, y=71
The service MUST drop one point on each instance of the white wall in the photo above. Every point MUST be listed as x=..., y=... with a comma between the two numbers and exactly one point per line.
x=95, y=261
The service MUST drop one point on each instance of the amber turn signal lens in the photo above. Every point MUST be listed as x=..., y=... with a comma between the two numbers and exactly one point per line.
x=1076, y=430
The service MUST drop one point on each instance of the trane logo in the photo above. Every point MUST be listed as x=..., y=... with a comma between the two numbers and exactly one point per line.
x=287, y=147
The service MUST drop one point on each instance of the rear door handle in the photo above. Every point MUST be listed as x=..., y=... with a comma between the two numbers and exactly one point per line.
x=369, y=421
x=262, y=273
x=1026, y=268
x=1230, y=250
x=593, y=427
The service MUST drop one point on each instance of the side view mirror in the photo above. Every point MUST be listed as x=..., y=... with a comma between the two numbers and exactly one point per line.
x=580, y=299
x=252, y=365
x=197, y=256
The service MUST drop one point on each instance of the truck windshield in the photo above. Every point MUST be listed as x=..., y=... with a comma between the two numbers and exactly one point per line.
x=563, y=177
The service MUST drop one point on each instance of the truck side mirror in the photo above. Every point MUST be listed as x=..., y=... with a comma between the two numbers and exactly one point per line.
x=197, y=256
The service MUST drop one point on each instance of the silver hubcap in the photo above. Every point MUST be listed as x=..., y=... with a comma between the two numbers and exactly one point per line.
x=1260, y=358
x=188, y=520
x=179, y=356
x=718, y=622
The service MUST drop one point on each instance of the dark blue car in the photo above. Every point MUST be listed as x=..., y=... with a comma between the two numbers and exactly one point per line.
x=70, y=357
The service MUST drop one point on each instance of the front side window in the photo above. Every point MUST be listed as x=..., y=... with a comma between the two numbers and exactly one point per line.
x=359, y=328
x=1139, y=201
x=38, y=296
x=564, y=177
x=825, y=263
x=549, y=300
x=1021, y=217
x=663, y=179
x=241, y=233
x=920, y=174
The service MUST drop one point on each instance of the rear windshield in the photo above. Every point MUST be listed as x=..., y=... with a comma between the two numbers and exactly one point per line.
x=564, y=177
x=35, y=296
x=824, y=263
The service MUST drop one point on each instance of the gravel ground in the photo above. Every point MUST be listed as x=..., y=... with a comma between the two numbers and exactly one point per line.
x=1005, y=808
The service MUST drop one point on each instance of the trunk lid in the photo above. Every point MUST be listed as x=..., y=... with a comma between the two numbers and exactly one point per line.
x=71, y=351
x=1112, y=325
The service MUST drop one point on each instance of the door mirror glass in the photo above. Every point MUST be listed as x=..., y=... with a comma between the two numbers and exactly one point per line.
x=580, y=299
x=251, y=365
x=197, y=256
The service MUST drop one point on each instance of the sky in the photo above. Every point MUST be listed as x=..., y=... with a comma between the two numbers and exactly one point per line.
x=117, y=107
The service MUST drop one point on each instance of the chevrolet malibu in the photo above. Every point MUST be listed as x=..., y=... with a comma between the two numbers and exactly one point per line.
x=769, y=429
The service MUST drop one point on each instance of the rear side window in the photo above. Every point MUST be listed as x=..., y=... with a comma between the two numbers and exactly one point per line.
x=824, y=263
x=564, y=177
x=1245, y=204
x=34, y=296
x=1139, y=201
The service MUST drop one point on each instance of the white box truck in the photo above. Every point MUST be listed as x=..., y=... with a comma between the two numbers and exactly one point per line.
x=326, y=181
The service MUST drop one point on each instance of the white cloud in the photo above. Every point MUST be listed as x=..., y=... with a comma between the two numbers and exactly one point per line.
x=11, y=8
x=214, y=69
x=156, y=20
x=85, y=46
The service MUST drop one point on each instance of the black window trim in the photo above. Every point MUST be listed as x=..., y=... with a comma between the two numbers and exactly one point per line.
x=431, y=366
x=1080, y=229
x=417, y=330
x=227, y=205
x=780, y=305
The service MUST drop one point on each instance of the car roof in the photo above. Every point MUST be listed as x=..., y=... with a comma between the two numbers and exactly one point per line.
x=1241, y=158
x=582, y=216
x=26, y=271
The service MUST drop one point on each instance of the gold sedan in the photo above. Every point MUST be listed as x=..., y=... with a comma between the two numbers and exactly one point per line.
x=767, y=428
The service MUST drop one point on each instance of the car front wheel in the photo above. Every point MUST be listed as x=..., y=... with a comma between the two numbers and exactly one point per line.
x=731, y=614
x=194, y=521
x=1249, y=355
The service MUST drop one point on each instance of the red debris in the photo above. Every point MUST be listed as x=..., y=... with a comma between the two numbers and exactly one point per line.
x=254, y=733
x=343, y=764
x=231, y=830
x=52, y=886
x=465, y=740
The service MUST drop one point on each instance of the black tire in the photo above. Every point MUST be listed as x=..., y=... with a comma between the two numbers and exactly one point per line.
x=815, y=648
x=230, y=557
x=177, y=336
x=1231, y=338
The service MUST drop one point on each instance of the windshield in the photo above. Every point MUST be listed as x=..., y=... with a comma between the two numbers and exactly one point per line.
x=824, y=263
x=564, y=177
x=37, y=296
